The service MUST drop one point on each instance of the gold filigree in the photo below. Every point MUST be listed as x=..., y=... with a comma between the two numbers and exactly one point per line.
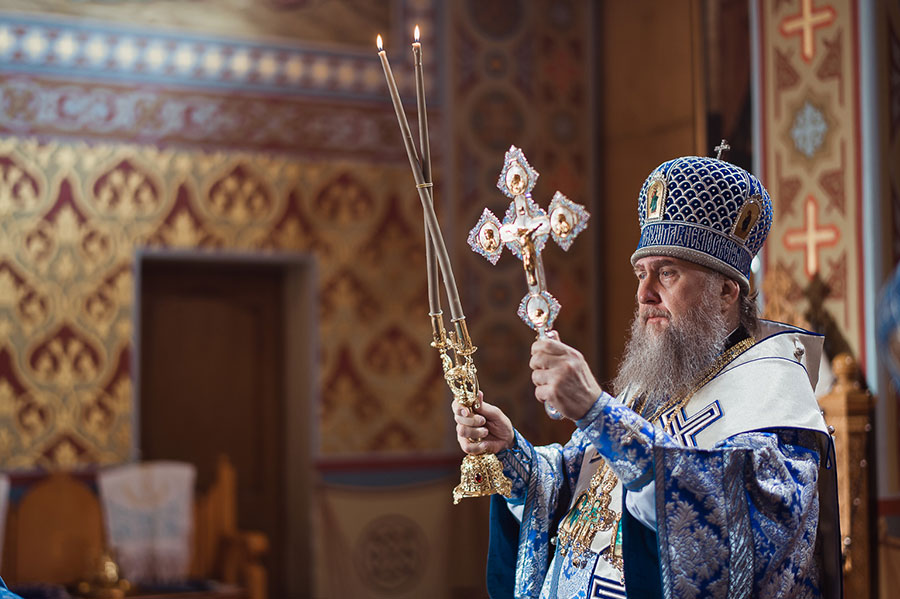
x=183, y=231
x=18, y=191
x=98, y=420
x=31, y=306
x=9, y=291
x=481, y=475
x=343, y=202
x=65, y=359
x=31, y=422
x=589, y=515
x=126, y=192
x=240, y=196
x=66, y=236
x=65, y=268
x=39, y=245
x=7, y=399
x=66, y=229
x=65, y=455
x=290, y=235
x=102, y=305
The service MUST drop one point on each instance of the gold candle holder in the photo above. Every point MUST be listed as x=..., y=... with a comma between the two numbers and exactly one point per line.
x=481, y=474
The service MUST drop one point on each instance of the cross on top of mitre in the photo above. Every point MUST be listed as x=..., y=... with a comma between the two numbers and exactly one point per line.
x=524, y=230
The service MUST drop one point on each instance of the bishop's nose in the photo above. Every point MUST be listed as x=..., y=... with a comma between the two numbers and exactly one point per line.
x=647, y=293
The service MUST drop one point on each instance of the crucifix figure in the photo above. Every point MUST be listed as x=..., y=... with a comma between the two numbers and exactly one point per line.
x=524, y=231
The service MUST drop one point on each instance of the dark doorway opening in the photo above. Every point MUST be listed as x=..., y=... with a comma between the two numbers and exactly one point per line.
x=224, y=365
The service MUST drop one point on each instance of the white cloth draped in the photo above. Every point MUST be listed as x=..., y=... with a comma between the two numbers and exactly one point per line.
x=149, y=518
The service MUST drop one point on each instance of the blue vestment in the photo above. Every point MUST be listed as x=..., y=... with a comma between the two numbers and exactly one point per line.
x=746, y=503
x=5, y=593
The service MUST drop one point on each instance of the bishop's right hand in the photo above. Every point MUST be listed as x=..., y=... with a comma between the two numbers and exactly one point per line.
x=488, y=430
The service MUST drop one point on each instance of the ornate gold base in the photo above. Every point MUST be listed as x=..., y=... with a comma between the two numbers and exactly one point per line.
x=481, y=475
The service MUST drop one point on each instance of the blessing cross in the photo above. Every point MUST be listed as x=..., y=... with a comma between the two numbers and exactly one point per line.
x=524, y=231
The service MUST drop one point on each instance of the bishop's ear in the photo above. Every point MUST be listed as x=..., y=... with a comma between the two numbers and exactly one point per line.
x=730, y=291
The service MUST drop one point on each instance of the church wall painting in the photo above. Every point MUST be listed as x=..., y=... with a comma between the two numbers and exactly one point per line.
x=72, y=87
x=233, y=161
x=811, y=151
x=811, y=133
x=122, y=133
x=80, y=213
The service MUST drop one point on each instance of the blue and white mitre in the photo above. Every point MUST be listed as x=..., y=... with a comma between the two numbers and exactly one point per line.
x=706, y=211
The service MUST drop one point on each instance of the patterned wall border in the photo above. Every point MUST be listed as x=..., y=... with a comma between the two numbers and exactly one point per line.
x=74, y=79
x=78, y=49
x=313, y=127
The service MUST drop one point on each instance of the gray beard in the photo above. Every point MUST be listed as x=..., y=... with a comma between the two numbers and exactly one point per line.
x=666, y=364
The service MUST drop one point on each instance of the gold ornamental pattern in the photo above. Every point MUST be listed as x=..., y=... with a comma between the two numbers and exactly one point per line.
x=72, y=216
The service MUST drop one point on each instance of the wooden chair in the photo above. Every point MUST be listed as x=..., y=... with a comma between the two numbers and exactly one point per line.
x=55, y=534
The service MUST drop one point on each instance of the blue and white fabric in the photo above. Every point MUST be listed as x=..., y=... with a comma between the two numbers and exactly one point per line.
x=5, y=593
x=750, y=511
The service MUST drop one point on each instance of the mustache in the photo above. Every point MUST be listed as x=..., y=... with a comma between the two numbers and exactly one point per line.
x=655, y=313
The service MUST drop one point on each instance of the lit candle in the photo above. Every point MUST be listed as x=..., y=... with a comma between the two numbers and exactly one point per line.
x=434, y=298
x=424, y=190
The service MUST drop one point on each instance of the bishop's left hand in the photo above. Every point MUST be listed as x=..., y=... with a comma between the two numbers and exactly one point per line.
x=562, y=377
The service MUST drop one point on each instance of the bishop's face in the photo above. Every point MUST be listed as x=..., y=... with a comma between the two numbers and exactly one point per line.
x=678, y=331
x=667, y=289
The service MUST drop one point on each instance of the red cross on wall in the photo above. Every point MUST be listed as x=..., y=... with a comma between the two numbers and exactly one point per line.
x=810, y=237
x=805, y=23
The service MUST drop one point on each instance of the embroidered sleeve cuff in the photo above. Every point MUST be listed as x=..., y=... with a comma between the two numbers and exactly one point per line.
x=517, y=462
x=623, y=438
x=595, y=411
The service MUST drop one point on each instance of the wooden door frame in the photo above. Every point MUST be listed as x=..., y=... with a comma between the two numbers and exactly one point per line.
x=301, y=392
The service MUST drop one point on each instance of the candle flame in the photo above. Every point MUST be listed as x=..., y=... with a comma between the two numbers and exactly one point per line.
x=417, y=33
x=378, y=43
